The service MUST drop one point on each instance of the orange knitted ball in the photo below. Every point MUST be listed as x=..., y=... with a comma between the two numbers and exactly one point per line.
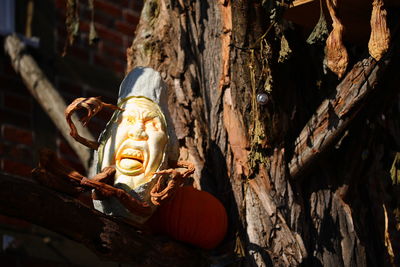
x=193, y=216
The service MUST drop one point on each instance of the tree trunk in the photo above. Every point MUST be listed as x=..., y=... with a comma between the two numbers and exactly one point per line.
x=325, y=199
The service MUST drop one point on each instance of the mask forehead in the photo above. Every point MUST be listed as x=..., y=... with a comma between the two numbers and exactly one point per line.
x=143, y=108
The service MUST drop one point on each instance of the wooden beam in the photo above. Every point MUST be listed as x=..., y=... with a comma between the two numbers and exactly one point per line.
x=300, y=2
x=358, y=2
x=108, y=237
x=335, y=113
x=45, y=93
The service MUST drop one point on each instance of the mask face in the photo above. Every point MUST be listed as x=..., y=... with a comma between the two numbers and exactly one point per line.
x=137, y=142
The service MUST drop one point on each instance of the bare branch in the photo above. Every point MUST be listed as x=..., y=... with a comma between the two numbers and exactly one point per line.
x=93, y=105
x=334, y=115
x=45, y=93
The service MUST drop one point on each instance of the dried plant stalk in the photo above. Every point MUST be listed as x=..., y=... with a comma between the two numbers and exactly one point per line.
x=160, y=194
x=379, y=40
x=336, y=56
x=93, y=105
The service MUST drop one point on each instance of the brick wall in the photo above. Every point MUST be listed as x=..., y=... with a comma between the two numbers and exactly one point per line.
x=86, y=70
x=25, y=128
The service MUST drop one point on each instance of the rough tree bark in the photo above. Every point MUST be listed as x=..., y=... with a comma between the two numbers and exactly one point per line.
x=302, y=202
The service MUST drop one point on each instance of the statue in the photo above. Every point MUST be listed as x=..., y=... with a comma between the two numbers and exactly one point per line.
x=135, y=168
x=137, y=139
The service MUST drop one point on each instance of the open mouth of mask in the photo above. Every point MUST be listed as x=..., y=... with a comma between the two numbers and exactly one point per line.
x=130, y=161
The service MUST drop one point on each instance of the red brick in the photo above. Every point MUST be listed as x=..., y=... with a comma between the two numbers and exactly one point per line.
x=104, y=19
x=13, y=84
x=127, y=43
x=20, y=153
x=16, y=135
x=100, y=17
x=16, y=168
x=84, y=26
x=85, y=15
x=61, y=13
x=108, y=8
x=69, y=88
x=109, y=63
x=79, y=52
x=75, y=164
x=122, y=3
x=14, y=223
x=125, y=28
x=65, y=149
x=17, y=103
x=112, y=51
x=14, y=118
x=137, y=5
x=109, y=35
x=131, y=17
x=3, y=149
x=60, y=4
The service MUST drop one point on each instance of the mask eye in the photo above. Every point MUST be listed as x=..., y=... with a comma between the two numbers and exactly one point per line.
x=129, y=119
x=153, y=124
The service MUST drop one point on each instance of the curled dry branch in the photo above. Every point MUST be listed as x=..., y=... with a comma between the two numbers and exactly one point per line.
x=379, y=40
x=159, y=194
x=52, y=173
x=93, y=105
x=129, y=202
x=336, y=56
x=56, y=175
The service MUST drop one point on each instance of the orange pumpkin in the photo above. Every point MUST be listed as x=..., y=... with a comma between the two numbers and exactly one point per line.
x=192, y=216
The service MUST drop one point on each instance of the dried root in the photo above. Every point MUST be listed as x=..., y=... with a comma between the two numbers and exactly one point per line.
x=130, y=203
x=379, y=40
x=159, y=193
x=336, y=56
x=54, y=174
x=93, y=105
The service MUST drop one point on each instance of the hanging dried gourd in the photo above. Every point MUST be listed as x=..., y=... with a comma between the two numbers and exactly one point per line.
x=72, y=23
x=380, y=35
x=336, y=56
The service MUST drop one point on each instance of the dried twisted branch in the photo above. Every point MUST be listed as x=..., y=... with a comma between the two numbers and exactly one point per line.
x=159, y=194
x=54, y=174
x=132, y=204
x=93, y=105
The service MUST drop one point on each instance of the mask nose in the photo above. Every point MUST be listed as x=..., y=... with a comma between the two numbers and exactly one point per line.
x=137, y=132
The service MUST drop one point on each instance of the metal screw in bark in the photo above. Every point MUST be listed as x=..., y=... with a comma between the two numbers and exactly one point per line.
x=262, y=98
